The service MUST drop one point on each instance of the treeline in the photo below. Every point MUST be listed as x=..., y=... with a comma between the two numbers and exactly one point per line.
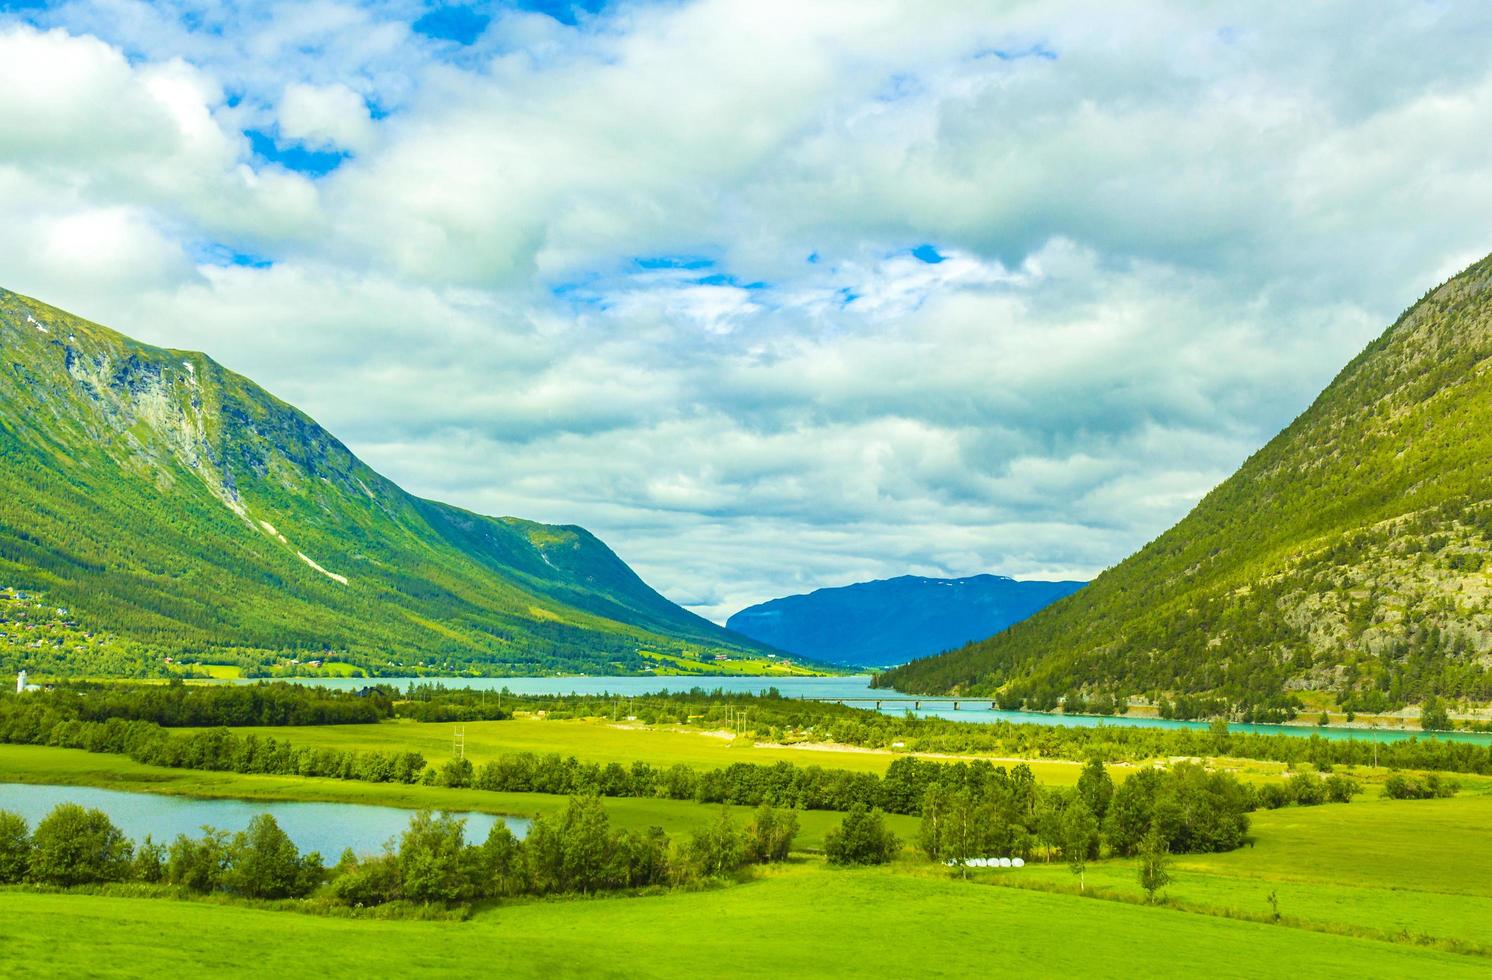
x=1185, y=809
x=178, y=705
x=30, y=721
x=772, y=717
x=909, y=786
x=574, y=851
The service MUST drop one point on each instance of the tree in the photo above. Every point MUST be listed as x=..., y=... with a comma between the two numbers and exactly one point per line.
x=265, y=862
x=501, y=862
x=770, y=834
x=74, y=846
x=571, y=852
x=432, y=859
x=716, y=849
x=15, y=848
x=1096, y=787
x=1079, y=838
x=862, y=838
x=200, y=865
x=933, y=833
x=1433, y=717
x=455, y=773
x=149, y=865
x=1155, y=863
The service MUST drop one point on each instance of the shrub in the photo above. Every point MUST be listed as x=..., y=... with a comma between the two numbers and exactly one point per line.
x=1307, y=790
x=769, y=836
x=1400, y=787
x=150, y=862
x=1341, y=789
x=200, y=864
x=1272, y=796
x=861, y=839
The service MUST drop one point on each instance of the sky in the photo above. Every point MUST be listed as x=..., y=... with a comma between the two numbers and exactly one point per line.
x=773, y=295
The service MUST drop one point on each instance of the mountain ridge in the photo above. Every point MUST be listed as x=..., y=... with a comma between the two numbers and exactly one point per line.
x=888, y=621
x=1346, y=555
x=184, y=508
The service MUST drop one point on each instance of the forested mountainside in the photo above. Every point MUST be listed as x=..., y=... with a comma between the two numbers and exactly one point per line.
x=1349, y=554
x=164, y=506
x=891, y=621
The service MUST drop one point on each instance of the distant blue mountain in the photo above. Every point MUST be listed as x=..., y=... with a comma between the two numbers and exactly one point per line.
x=891, y=621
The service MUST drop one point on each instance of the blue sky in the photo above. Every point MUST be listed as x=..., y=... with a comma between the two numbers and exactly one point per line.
x=771, y=296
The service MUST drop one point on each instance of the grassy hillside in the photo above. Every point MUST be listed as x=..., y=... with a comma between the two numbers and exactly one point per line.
x=182, y=511
x=1349, y=554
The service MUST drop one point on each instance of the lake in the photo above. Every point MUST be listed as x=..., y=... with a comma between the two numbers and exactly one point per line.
x=329, y=828
x=859, y=687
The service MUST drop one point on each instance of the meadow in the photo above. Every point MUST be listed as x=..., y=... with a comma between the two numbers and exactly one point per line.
x=802, y=920
x=602, y=741
x=1368, y=888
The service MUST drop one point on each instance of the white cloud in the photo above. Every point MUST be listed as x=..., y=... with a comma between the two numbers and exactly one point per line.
x=326, y=117
x=1161, y=231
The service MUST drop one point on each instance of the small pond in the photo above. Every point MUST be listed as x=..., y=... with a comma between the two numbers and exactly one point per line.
x=326, y=827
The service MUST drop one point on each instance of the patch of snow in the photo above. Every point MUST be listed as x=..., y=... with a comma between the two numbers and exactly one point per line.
x=331, y=575
x=32, y=320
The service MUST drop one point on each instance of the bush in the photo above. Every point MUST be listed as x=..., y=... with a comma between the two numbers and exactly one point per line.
x=770, y=835
x=1272, y=796
x=366, y=883
x=74, y=846
x=1400, y=787
x=201, y=864
x=1307, y=790
x=861, y=839
x=150, y=862
x=1341, y=789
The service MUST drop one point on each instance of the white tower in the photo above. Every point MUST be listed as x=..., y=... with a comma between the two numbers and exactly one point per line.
x=21, y=682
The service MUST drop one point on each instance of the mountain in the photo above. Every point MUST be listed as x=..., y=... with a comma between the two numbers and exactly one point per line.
x=890, y=621
x=168, y=507
x=1348, y=555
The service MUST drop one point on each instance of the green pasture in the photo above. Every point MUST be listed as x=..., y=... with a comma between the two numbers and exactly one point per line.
x=602, y=741
x=806, y=920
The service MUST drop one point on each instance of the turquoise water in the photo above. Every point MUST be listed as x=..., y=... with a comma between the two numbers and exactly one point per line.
x=859, y=687
x=329, y=828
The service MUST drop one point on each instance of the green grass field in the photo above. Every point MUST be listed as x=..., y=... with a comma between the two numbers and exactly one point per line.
x=43, y=764
x=1417, y=870
x=806, y=920
x=594, y=740
x=1374, y=887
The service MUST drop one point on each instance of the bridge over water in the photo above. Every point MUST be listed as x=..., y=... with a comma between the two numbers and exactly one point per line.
x=915, y=703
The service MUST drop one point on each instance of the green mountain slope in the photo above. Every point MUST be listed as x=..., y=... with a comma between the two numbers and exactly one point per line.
x=1349, y=554
x=185, y=511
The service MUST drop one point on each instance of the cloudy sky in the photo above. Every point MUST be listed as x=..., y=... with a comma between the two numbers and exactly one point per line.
x=769, y=295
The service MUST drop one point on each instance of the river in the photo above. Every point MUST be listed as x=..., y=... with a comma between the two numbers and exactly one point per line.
x=326, y=827
x=859, y=687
